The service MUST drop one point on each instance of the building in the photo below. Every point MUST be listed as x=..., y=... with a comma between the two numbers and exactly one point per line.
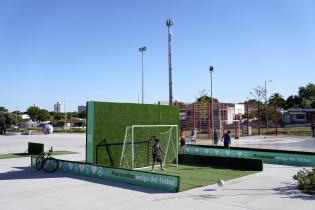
x=81, y=108
x=58, y=107
x=299, y=116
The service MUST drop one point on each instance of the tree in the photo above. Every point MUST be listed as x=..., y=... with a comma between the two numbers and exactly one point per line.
x=38, y=114
x=293, y=101
x=309, y=103
x=277, y=99
x=3, y=109
x=304, y=99
x=7, y=119
x=43, y=115
x=82, y=114
x=307, y=91
x=33, y=112
x=258, y=94
x=203, y=101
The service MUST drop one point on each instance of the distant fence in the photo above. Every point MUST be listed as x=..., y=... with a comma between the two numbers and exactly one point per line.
x=250, y=119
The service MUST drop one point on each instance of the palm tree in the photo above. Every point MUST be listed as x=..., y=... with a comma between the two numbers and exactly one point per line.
x=277, y=99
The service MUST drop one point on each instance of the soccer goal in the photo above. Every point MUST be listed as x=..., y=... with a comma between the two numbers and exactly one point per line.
x=138, y=142
x=233, y=125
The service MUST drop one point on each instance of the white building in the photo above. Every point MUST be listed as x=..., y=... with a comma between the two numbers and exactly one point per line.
x=58, y=107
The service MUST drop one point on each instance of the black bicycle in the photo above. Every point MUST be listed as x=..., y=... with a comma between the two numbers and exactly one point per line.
x=46, y=162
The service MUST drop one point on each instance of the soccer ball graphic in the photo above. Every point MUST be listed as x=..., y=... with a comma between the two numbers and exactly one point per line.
x=220, y=183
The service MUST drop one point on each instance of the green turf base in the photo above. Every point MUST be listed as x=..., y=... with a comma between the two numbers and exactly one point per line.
x=198, y=176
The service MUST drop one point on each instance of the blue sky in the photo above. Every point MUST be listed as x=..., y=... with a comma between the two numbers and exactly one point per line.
x=78, y=50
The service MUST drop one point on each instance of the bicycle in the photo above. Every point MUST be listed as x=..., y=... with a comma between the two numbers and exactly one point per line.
x=46, y=162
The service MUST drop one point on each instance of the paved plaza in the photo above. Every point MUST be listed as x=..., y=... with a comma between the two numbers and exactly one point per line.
x=22, y=187
x=280, y=142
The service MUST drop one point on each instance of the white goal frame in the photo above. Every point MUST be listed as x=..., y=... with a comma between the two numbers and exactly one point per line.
x=132, y=141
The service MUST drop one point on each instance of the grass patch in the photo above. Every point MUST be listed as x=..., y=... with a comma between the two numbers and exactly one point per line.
x=198, y=176
x=20, y=155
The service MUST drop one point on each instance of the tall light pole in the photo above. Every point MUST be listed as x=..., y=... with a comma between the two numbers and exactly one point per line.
x=212, y=122
x=142, y=49
x=169, y=23
x=267, y=123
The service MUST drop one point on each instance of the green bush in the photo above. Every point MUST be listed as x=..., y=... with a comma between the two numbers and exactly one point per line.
x=306, y=179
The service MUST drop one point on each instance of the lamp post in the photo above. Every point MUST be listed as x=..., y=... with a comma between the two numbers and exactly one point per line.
x=169, y=23
x=267, y=123
x=212, y=122
x=142, y=49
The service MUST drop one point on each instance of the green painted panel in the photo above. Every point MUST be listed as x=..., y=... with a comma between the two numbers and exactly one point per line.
x=267, y=157
x=152, y=180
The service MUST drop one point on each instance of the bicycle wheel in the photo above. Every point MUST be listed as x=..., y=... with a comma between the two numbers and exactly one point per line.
x=39, y=162
x=50, y=165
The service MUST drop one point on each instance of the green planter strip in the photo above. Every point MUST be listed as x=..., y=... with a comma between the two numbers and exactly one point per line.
x=268, y=157
x=152, y=180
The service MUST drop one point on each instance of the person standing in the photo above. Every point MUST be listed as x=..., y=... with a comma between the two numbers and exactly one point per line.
x=156, y=154
x=313, y=129
x=215, y=137
x=194, y=135
x=227, y=140
x=182, y=140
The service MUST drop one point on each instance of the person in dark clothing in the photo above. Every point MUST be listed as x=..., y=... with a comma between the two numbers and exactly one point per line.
x=313, y=129
x=227, y=139
x=182, y=140
x=156, y=154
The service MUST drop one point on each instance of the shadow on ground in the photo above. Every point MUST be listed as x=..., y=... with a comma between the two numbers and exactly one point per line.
x=31, y=173
x=289, y=190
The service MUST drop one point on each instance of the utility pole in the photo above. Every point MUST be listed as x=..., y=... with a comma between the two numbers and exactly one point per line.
x=142, y=49
x=212, y=120
x=169, y=23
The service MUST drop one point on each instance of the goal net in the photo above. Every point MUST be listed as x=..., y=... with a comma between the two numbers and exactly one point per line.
x=138, y=142
x=232, y=125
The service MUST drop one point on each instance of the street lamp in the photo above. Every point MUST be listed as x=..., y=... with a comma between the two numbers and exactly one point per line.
x=267, y=123
x=211, y=71
x=169, y=23
x=142, y=49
